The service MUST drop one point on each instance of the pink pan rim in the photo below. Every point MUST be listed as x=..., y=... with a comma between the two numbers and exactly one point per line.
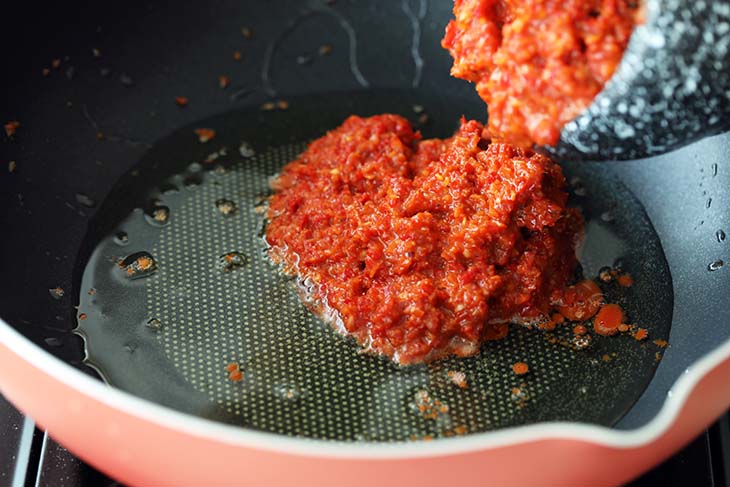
x=237, y=436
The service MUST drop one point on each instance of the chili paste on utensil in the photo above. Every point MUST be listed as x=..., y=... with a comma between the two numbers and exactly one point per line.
x=538, y=63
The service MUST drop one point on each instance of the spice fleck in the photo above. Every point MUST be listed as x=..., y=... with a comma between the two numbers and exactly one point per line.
x=57, y=292
x=520, y=368
x=204, y=134
x=11, y=127
x=458, y=378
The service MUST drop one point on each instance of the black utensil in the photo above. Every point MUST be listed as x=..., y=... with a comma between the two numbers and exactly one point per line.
x=671, y=88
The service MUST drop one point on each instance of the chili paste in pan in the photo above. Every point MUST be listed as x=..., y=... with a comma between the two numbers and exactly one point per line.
x=423, y=248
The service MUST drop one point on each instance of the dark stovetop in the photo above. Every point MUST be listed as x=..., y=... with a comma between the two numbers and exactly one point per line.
x=29, y=457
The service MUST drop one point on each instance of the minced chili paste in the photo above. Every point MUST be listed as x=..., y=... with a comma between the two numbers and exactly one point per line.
x=538, y=63
x=423, y=248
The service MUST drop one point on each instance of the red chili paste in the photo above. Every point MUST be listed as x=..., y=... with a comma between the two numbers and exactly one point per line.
x=423, y=248
x=538, y=63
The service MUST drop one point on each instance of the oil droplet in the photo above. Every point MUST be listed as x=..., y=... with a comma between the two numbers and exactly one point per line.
x=246, y=150
x=154, y=324
x=85, y=200
x=716, y=265
x=304, y=59
x=157, y=215
x=426, y=406
x=121, y=238
x=138, y=265
x=517, y=394
x=720, y=234
x=53, y=341
x=288, y=392
x=57, y=292
x=607, y=216
x=581, y=342
x=580, y=191
x=126, y=80
x=226, y=207
x=232, y=261
x=605, y=274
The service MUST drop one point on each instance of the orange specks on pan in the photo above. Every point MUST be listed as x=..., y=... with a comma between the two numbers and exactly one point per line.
x=144, y=263
x=458, y=378
x=205, y=134
x=234, y=372
x=608, y=319
x=625, y=280
x=520, y=368
x=181, y=101
x=581, y=301
x=641, y=334
x=11, y=127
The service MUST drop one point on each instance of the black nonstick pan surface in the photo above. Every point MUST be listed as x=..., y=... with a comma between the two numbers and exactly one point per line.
x=102, y=141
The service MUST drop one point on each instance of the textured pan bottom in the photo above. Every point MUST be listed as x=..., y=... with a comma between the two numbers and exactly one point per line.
x=169, y=336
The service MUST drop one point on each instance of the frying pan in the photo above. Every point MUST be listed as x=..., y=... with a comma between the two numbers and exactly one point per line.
x=102, y=135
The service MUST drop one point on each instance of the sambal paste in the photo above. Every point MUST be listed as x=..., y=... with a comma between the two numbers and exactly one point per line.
x=423, y=248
